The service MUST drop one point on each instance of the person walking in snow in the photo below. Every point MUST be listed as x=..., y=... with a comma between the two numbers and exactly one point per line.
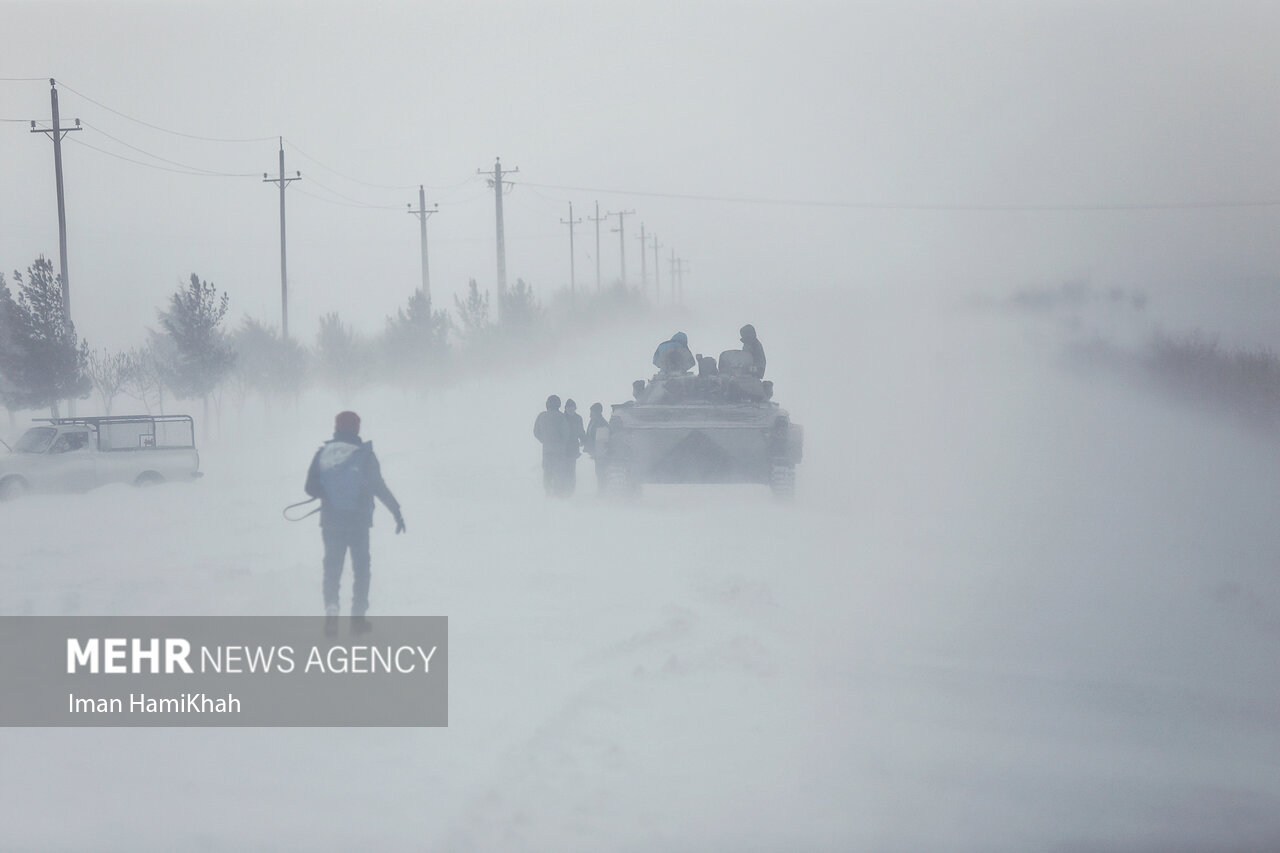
x=551, y=428
x=346, y=477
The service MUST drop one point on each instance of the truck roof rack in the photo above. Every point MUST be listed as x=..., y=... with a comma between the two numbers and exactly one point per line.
x=116, y=419
x=135, y=432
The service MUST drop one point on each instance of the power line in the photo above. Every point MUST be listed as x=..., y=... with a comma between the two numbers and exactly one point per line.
x=906, y=206
x=359, y=205
x=205, y=173
x=165, y=129
x=22, y=79
x=353, y=180
x=347, y=177
x=196, y=169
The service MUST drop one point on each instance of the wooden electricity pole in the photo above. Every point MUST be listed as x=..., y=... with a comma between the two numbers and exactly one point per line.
x=284, y=266
x=422, y=213
x=622, y=239
x=657, y=286
x=57, y=132
x=573, y=287
x=597, y=219
x=495, y=181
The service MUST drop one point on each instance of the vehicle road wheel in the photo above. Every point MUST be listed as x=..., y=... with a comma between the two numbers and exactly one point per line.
x=12, y=488
x=148, y=478
x=782, y=482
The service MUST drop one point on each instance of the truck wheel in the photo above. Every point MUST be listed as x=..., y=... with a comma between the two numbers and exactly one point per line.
x=12, y=488
x=148, y=478
x=782, y=482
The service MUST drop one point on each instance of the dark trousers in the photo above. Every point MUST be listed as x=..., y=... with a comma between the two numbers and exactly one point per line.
x=337, y=541
x=570, y=474
x=555, y=474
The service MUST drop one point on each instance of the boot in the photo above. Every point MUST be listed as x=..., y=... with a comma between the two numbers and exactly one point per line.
x=360, y=625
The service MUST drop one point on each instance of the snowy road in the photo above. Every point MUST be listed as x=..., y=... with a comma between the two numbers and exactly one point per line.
x=1013, y=608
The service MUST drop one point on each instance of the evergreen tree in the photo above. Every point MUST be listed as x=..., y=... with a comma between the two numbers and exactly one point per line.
x=473, y=314
x=416, y=338
x=203, y=354
x=40, y=356
x=519, y=306
x=266, y=362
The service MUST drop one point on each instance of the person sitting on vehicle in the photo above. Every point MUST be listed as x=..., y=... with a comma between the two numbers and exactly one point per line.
x=752, y=346
x=673, y=356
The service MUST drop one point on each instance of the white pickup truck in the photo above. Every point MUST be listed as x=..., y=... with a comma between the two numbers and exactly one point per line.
x=77, y=454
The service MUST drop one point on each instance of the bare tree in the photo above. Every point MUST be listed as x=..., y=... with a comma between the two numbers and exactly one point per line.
x=110, y=372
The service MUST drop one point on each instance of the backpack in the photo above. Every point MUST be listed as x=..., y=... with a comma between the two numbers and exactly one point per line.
x=342, y=476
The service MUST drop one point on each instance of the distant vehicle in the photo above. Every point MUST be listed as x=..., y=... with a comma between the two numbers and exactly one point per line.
x=78, y=454
x=720, y=426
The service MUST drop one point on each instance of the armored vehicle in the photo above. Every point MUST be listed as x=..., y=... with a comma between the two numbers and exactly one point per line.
x=719, y=426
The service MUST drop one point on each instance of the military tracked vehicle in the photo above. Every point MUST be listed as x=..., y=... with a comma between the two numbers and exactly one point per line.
x=719, y=426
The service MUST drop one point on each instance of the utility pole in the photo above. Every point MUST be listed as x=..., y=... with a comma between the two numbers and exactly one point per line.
x=422, y=213
x=681, y=266
x=673, y=276
x=57, y=132
x=644, y=275
x=657, y=286
x=597, y=219
x=622, y=239
x=573, y=287
x=284, y=268
x=495, y=181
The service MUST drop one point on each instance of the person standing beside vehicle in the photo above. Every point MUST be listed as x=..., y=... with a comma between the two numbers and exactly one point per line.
x=594, y=425
x=346, y=477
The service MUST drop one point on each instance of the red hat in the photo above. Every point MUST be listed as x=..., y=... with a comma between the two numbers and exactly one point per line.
x=347, y=422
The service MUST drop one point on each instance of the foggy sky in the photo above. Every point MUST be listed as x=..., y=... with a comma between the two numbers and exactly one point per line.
x=921, y=104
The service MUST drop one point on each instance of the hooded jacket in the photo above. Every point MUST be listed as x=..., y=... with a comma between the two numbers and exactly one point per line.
x=673, y=356
x=752, y=346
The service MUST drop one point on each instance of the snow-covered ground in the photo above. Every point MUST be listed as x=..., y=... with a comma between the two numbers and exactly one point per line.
x=1012, y=608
